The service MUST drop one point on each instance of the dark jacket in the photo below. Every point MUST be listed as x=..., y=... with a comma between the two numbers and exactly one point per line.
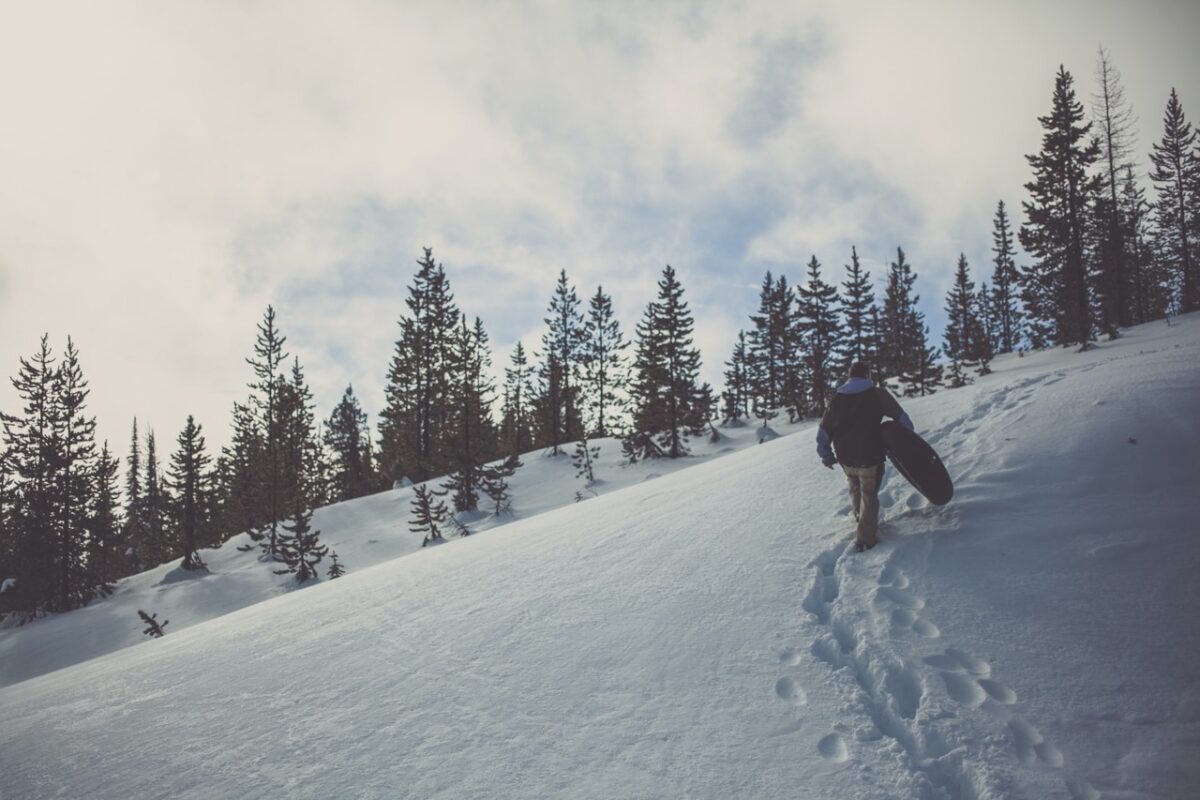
x=852, y=423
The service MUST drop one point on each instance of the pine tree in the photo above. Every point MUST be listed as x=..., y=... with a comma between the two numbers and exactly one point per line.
x=156, y=545
x=189, y=481
x=961, y=325
x=348, y=439
x=1055, y=233
x=819, y=329
x=33, y=453
x=771, y=355
x=300, y=547
x=584, y=459
x=134, y=532
x=1176, y=178
x=336, y=568
x=669, y=405
x=429, y=513
x=240, y=490
x=925, y=374
x=516, y=429
x=75, y=473
x=735, y=400
x=858, y=305
x=1150, y=292
x=106, y=542
x=1115, y=121
x=1006, y=313
x=495, y=483
x=603, y=363
x=562, y=354
x=471, y=417
x=415, y=440
x=899, y=328
x=265, y=401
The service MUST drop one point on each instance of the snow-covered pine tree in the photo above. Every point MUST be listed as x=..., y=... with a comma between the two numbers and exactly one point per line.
x=603, y=364
x=819, y=328
x=1055, y=232
x=668, y=403
x=735, y=400
x=106, y=561
x=429, y=513
x=517, y=415
x=154, y=628
x=859, y=343
x=348, y=440
x=1116, y=126
x=189, y=481
x=562, y=355
x=1176, y=179
x=1006, y=313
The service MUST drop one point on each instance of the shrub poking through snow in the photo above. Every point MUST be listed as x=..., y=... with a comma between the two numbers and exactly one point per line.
x=336, y=569
x=154, y=628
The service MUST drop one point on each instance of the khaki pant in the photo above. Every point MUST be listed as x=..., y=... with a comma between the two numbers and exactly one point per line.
x=864, y=497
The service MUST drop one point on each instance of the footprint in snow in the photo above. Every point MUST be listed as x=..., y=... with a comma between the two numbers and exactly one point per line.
x=788, y=691
x=1031, y=746
x=833, y=747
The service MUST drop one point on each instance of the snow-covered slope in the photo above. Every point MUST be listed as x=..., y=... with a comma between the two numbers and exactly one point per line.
x=363, y=532
x=708, y=633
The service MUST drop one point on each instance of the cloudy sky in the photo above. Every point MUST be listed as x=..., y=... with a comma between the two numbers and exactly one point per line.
x=167, y=169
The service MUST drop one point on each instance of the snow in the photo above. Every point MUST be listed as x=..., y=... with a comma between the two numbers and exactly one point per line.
x=705, y=632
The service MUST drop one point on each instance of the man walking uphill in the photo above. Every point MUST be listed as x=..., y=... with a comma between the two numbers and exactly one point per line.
x=851, y=426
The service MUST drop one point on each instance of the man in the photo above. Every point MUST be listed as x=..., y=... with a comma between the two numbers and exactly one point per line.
x=851, y=425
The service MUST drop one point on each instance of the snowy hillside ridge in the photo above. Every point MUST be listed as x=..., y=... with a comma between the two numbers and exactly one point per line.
x=709, y=633
x=364, y=532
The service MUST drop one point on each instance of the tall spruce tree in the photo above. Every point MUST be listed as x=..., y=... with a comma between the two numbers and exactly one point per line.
x=348, y=439
x=189, y=482
x=414, y=427
x=819, y=328
x=1057, y=215
x=562, y=356
x=134, y=531
x=1005, y=310
x=963, y=329
x=899, y=328
x=668, y=403
x=76, y=475
x=269, y=474
x=771, y=343
x=858, y=304
x=471, y=415
x=240, y=491
x=156, y=545
x=603, y=364
x=1176, y=178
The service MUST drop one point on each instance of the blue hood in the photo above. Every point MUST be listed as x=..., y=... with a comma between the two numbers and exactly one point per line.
x=856, y=386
